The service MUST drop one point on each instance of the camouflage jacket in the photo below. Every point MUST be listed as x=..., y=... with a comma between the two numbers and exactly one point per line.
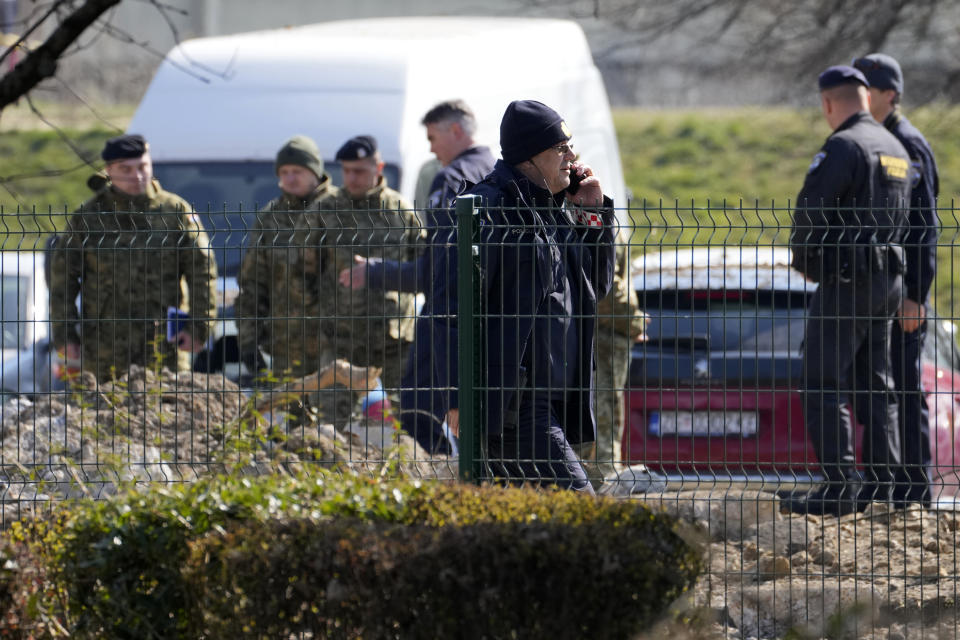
x=129, y=258
x=619, y=310
x=272, y=302
x=380, y=224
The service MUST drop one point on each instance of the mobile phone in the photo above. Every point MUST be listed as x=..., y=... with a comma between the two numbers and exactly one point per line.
x=575, y=179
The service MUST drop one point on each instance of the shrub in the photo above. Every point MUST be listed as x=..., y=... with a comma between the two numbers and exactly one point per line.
x=345, y=556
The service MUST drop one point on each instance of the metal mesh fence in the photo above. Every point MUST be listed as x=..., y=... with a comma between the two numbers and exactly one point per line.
x=158, y=347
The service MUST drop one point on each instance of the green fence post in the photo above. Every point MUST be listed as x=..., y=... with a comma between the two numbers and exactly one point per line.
x=469, y=348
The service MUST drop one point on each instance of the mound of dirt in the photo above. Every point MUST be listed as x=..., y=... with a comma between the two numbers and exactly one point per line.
x=173, y=427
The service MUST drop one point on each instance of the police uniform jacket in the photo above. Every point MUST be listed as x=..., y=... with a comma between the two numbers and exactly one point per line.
x=530, y=251
x=854, y=195
x=920, y=239
x=468, y=168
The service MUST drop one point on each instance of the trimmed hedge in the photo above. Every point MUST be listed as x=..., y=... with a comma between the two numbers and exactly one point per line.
x=347, y=557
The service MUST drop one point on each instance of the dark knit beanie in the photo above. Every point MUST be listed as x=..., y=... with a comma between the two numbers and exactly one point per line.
x=301, y=151
x=529, y=127
x=357, y=148
x=124, y=147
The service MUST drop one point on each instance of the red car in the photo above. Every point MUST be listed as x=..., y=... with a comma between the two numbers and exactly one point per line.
x=713, y=394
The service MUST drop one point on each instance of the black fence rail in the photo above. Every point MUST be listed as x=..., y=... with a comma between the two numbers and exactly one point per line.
x=668, y=353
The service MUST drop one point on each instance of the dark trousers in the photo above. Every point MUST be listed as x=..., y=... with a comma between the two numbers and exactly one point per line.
x=423, y=406
x=535, y=448
x=846, y=360
x=913, y=477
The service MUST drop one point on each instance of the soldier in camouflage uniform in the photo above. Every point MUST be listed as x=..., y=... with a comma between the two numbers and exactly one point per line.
x=130, y=252
x=366, y=218
x=277, y=287
x=619, y=324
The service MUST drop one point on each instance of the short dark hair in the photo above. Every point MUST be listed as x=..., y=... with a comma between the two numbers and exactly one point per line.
x=452, y=111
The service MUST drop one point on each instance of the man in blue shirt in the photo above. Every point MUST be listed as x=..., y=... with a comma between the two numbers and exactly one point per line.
x=451, y=127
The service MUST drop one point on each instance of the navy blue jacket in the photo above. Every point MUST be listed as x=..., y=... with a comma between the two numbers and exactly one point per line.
x=920, y=239
x=856, y=193
x=468, y=168
x=520, y=247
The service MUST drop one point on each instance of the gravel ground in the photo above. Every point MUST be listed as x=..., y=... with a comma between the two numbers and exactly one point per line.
x=885, y=574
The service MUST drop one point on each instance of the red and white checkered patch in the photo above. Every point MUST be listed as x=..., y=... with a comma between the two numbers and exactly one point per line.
x=588, y=219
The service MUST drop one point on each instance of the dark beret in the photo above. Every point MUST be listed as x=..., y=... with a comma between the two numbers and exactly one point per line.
x=357, y=148
x=124, y=147
x=881, y=71
x=840, y=74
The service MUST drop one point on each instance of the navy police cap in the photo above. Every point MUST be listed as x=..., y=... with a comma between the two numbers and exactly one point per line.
x=882, y=71
x=840, y=74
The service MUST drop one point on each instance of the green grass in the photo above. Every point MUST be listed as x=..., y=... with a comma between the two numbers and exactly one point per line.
x=705, y=176
x=729, y=176
x=42, y=177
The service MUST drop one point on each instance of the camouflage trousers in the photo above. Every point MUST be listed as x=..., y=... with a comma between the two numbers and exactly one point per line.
x=335, y=405
x=110, y=349
x=604, y=457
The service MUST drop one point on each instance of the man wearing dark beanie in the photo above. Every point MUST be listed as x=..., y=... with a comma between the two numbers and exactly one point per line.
x=271, y=306
x=547, y=255
x=127, y=253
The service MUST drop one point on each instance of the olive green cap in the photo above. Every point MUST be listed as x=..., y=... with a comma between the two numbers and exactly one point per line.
x=301, y=151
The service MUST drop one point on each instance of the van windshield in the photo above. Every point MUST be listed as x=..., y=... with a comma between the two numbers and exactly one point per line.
x=226, y=195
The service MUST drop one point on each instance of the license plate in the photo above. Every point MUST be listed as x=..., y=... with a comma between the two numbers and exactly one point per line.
x=703, y=423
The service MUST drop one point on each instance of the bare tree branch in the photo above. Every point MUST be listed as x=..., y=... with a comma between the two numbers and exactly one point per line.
x=26, y=34
x=41, y=63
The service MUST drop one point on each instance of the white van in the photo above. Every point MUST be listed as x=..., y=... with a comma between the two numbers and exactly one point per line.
x=28, y=363
x=219, y=108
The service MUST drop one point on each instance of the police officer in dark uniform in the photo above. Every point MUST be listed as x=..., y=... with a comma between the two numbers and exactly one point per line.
x=920, y=249
x=847, y=227
x=451, y=127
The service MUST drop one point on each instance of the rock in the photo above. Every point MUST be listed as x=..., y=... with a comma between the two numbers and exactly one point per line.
x=782, y=537
x=821, y=555
x=931, y=570
x=771, y=609
x=949, y=521
x=773, y=567
x=725, y=514
x=750, y=552
x=800, y=559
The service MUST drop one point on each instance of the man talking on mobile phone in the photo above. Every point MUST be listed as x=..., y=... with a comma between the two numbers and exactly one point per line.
x=546, y=256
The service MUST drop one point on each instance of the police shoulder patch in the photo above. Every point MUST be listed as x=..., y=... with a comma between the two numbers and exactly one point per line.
x=916, y=173
x=817, y=159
